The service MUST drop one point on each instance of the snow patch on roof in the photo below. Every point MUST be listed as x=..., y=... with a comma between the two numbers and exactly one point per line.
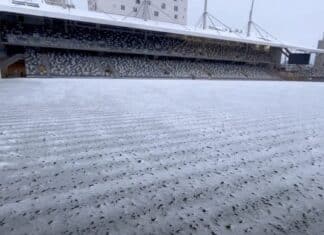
x=82, y=15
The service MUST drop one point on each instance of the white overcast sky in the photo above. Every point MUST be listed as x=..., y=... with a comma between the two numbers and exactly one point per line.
x=299, y=22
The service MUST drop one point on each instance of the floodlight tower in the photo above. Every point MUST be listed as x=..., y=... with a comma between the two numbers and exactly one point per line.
x=146, y=11
x=250, y=19
x=205, y=14
x=206, y=18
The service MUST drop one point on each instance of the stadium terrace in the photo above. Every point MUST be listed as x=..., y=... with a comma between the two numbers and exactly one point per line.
x=53, y=39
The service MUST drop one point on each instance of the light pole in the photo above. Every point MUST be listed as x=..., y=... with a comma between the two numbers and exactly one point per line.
x=250, y=19
x=205, y=15
x=146, y=11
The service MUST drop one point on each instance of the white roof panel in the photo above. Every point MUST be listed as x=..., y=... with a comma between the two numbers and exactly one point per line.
x=83, y=15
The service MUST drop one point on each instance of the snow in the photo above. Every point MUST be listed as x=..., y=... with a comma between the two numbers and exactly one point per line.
x=161, y=157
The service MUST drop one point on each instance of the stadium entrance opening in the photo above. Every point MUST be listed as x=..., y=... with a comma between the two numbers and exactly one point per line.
x=15, y=70
x=12, y=62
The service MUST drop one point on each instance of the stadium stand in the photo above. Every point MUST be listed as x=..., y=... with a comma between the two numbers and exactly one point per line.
x=79, y=64
x=58, y=48
x=304, y=72
x=312, y=73
x=47, y=45
x=84, y=38
x=318, y=73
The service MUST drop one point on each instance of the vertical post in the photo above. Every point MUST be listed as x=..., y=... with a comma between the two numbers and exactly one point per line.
x=250, y=20
x=65, y=26
x=3, y=56
x=146, y=10
x=205, y=14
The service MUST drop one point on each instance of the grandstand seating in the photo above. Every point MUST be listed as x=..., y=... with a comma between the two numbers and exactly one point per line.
x=111, y=40
x=311, y=73
x=305, y=72
x=55, y=48
x=318, y=73
x=68, y=64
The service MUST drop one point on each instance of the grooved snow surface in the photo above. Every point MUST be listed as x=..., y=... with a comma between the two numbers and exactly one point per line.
x=161, y=157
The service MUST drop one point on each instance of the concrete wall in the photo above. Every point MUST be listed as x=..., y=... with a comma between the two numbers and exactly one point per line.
x=319, y=62
x=172, y=11
x=276, y=54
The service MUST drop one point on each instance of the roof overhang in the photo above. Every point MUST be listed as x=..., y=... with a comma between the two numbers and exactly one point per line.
x=120, y=21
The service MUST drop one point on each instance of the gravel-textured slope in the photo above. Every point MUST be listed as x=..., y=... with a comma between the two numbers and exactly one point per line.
x=161, y=157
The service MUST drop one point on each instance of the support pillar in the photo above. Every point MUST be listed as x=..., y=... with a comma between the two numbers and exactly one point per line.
x=319, y=61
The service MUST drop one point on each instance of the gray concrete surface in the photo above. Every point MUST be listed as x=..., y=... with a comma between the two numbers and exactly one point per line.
x=161, y=157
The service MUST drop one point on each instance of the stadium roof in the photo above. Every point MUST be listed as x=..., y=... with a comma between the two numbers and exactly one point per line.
x=80, y=15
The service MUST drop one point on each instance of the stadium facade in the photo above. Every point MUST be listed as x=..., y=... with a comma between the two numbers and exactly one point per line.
x=56, y=38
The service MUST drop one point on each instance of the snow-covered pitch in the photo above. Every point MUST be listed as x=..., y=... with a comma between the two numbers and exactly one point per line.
x=161, y=157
